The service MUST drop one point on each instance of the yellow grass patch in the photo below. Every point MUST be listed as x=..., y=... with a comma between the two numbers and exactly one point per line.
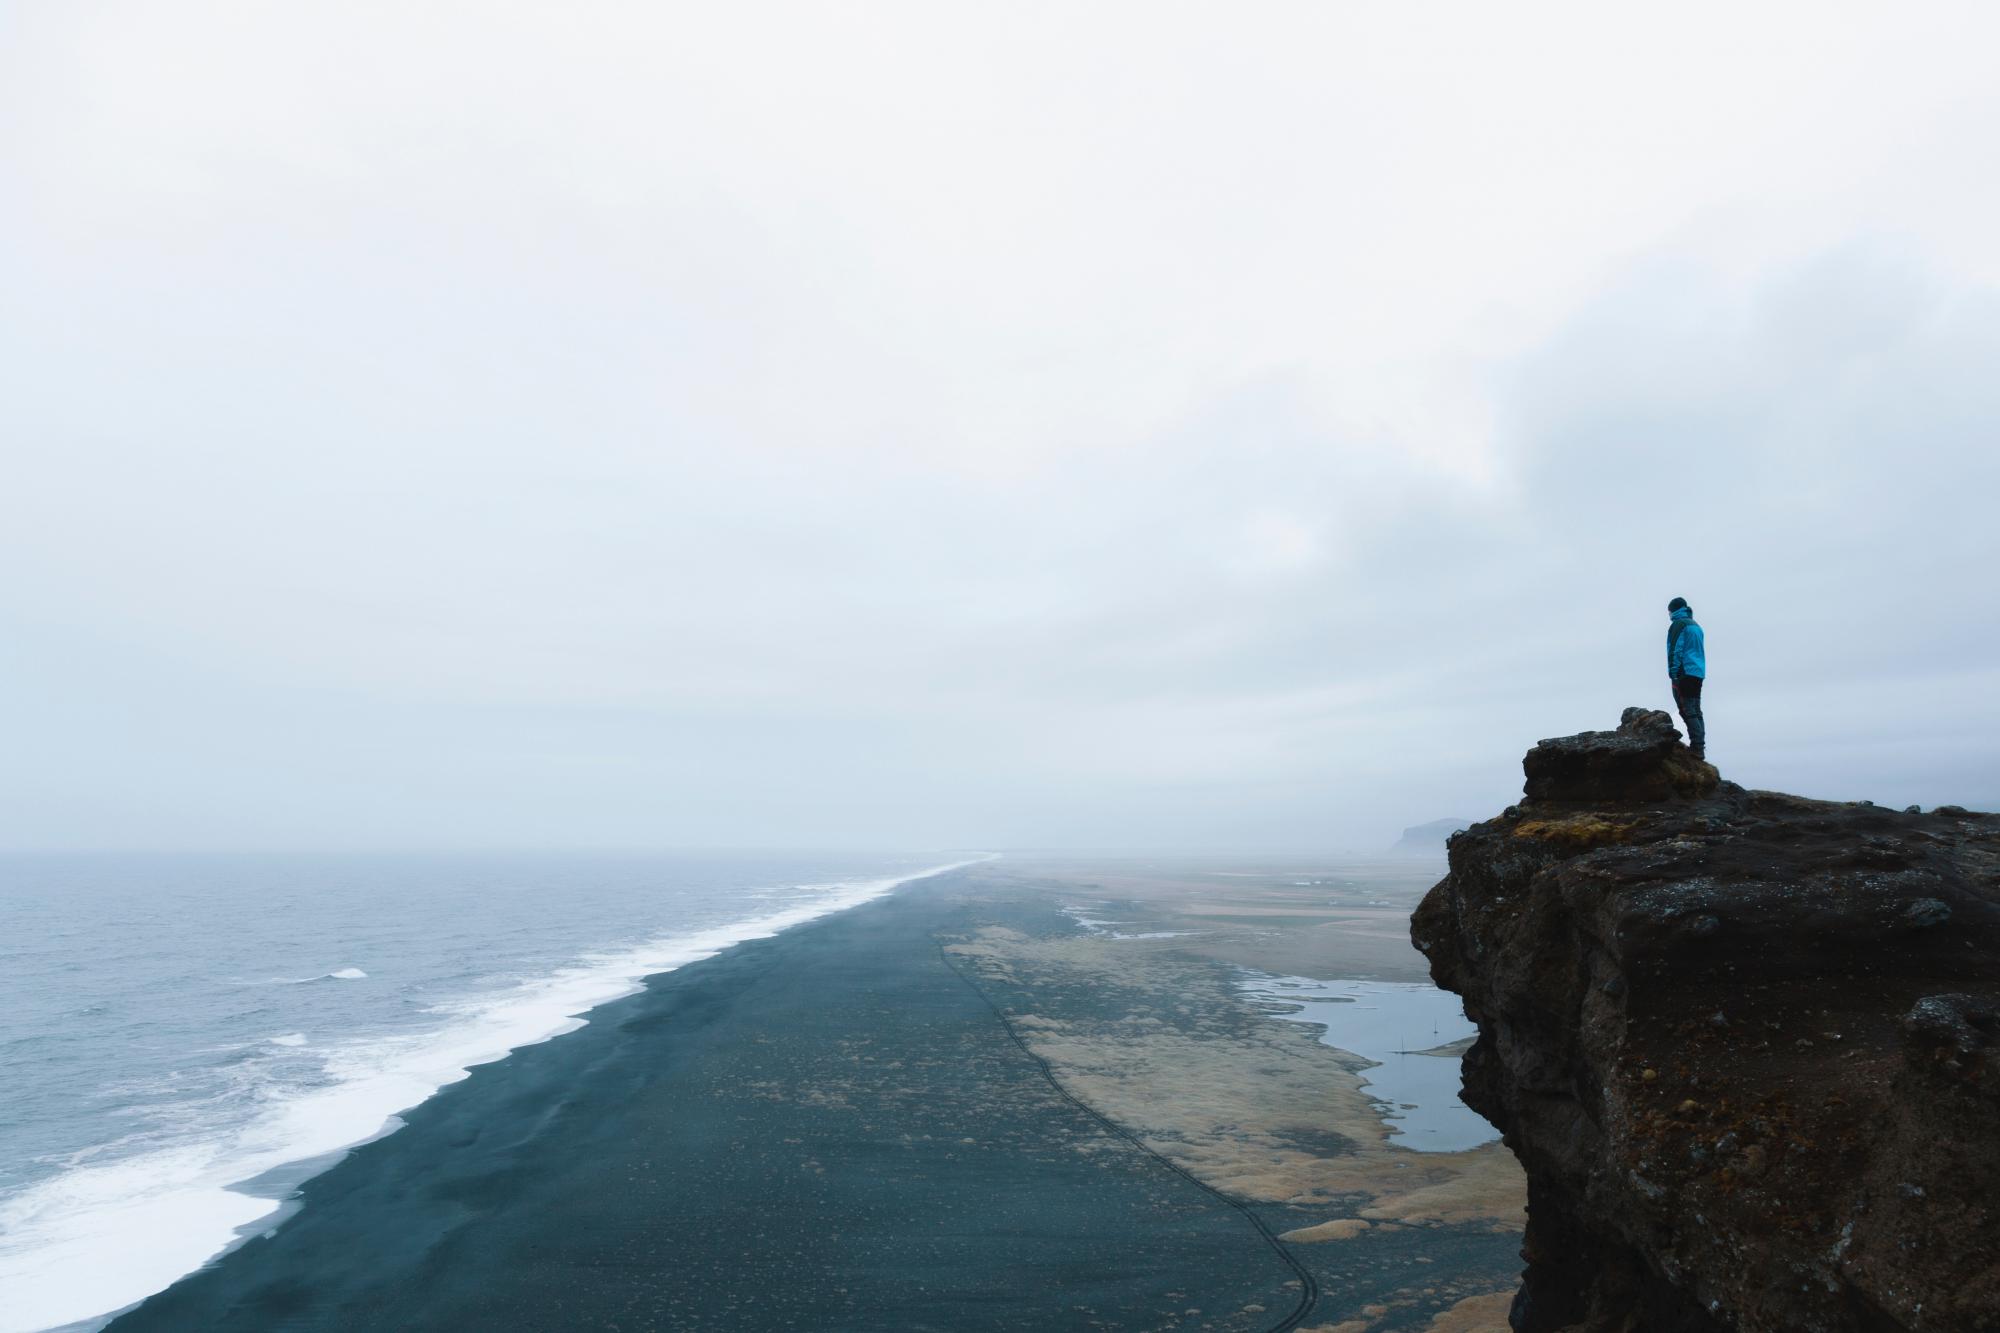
x=1476, y=1314
x=1341, y=1228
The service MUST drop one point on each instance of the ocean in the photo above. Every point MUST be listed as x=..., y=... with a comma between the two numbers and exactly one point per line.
x=184, y=1040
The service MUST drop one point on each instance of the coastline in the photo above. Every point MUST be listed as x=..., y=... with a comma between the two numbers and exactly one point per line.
x=73, y=1284
x=856, y=1123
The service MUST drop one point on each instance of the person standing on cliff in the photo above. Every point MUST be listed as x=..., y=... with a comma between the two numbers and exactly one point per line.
x=1687, y=667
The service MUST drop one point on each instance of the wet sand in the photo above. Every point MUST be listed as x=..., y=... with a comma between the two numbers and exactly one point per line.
x=950, y=1109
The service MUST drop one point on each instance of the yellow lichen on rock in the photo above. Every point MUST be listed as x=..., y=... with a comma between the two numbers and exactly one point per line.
x=1575, y=831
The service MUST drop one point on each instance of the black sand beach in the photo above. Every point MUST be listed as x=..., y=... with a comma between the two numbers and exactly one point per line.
x=858, y=1124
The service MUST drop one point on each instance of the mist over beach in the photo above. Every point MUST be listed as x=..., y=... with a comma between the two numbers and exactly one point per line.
x=784, y=666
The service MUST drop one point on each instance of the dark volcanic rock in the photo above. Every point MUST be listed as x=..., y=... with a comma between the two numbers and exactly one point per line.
x=1643, y=760
x=1747, y=1046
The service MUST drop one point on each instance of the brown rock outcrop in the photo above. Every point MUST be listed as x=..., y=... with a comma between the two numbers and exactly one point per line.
x=1746, y=1045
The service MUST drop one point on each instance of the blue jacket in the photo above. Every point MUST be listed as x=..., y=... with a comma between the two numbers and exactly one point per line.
x=1686, y=654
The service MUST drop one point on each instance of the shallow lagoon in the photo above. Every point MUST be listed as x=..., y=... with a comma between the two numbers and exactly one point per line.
x=1392, y=1024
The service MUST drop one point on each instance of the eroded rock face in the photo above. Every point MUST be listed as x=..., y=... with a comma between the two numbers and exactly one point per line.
x=1643, y=760
x=1747, y=1046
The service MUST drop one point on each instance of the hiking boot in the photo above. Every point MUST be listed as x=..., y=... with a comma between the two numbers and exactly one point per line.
x=1700, y=757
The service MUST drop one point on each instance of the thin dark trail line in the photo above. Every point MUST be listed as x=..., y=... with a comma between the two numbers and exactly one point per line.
x=1308, y=1284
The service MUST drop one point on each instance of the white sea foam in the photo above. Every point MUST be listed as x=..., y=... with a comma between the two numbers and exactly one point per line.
x=1108, y=928
x=102, y=1236
x=289, y=1039
x=344, y=974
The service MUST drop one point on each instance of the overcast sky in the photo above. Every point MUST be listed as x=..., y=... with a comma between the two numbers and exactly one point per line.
x=1000, y=425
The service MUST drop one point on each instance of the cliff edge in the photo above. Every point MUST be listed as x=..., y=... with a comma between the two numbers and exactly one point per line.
x=1746, y=1045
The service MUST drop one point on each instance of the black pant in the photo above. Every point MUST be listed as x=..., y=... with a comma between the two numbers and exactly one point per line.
x=1687, y=698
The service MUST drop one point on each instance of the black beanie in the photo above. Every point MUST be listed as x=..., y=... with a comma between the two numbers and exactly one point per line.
x=1677, y=604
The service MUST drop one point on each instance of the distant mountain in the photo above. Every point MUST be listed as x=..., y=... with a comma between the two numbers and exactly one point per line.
x=1428, y=839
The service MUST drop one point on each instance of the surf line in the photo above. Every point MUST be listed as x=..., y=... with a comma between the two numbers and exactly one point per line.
x=1308, y=1284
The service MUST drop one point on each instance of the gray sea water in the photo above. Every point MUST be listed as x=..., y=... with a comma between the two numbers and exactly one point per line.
x=183, y=1040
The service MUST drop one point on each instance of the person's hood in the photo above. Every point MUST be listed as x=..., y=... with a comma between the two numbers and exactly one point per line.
x=1685, y=613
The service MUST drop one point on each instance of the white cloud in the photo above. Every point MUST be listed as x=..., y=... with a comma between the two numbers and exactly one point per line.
x=1003, y=416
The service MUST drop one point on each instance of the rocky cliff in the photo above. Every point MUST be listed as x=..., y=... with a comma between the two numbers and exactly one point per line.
x=1747, y=1046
